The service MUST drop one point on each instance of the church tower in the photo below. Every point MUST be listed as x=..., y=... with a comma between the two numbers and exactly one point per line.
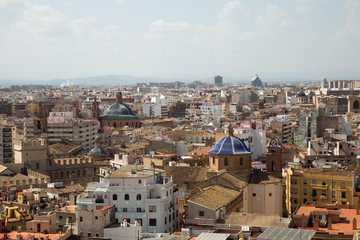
x=274, y=157
x=40, y=120
x=95, y=111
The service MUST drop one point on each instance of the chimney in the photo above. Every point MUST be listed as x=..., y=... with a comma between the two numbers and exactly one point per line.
x=329, y=223
x=354, y=224
x=316, y=224
x=303, y=221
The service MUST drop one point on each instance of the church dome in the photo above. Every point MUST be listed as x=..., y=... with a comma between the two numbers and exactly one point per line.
x=119, y=111
x=230, y=145
x=97, y=151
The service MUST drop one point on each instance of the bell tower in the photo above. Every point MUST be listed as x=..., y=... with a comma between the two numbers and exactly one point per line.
x=40, y=120
x=95, y=111
x=274, y=157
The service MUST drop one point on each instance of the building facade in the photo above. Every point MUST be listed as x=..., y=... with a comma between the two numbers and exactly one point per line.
x=139, y=194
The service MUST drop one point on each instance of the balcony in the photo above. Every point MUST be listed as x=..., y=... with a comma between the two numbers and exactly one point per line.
x=319, y=186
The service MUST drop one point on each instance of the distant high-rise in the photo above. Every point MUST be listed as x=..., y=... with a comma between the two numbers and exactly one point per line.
x=256, y=81
x=324, y=83
x=218, y=81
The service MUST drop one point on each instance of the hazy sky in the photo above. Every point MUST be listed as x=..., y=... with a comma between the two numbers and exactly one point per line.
x=184, y=38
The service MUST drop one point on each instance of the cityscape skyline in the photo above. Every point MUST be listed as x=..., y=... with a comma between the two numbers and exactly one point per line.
x=306, y=39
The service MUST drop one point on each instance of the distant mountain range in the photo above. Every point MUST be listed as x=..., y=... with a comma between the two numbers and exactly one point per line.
x=127, y=80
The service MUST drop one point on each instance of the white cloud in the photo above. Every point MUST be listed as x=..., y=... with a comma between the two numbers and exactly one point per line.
x=12, y=3
x=305, y=9
x=276, y=16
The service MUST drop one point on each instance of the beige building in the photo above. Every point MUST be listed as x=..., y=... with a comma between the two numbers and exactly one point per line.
x=77, y=130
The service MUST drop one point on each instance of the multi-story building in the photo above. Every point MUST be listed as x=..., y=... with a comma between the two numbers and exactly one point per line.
x=319, y=185
x=283, y=127
x=139, y=194
x=77, y=130
x=218, y=81
x=254, y=136
x=155, y=110
x=6, y=137
x=306, y=129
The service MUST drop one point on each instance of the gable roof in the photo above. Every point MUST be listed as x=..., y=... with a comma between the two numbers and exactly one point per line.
x=215, y=197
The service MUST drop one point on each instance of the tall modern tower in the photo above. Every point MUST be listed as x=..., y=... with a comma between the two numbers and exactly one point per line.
x=218, y=80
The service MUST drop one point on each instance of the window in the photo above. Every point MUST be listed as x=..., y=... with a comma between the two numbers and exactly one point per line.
x=138, y=197
x=270, y=194
x=333, y=194
x=314, y=193
x=305, y=181
x=81, y=219
x=114, y=197
x=152, y=208
x=254, y=194
x=60, y=217
x=295, y=181
x=96, y=217
x=333, y=184
x=138, y=209
x=89, y=234
x=314, y=182
x=152, y=222
x=295, y=190
x=305, y=200
x=139, y=181
x=201, y=213
x=169, y=217
x=165, y=220
x=343, y=194
x=343, y=184
x=226, y=161
x=324, y=183
x=305, y=191
x=241, y=161
x=124, y=209
x=126, y=197
x=295, y=200
x=213, y=160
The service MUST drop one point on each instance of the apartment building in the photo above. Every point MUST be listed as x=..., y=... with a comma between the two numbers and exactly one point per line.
x=76, y=130
x=319, y=185
x=6, y=137
x=139, y=194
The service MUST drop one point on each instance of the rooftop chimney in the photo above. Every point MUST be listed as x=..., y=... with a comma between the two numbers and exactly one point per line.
x=303, y=221
x=316, y=224
x=354, y=224
x=330, y=223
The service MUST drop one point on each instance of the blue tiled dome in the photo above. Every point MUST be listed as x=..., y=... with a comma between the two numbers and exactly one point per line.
x=230, y=145
x=97, y=151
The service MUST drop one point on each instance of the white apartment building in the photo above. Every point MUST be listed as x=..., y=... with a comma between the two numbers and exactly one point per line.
x=254, y=137
x=155, y=110
x=212, y=110
x=139, y=194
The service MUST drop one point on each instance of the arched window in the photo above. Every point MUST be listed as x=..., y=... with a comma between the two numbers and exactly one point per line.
x=37, y=165
x=226, y=161
x=114, y=197
x=356, y=104
x=138, y=197
x=84, y=172
x=61, y=174
x=127, y=197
